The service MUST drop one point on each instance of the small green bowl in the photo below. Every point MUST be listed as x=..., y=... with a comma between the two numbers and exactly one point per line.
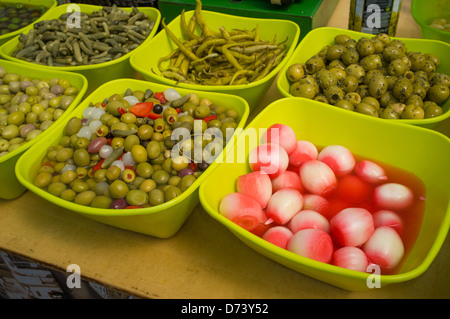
x=96, y=74
x=424, y=11
x=50, y=4
x=160, y=221
x=146, y=60
x=10, y=187
x=318, y=38
x=420, y=151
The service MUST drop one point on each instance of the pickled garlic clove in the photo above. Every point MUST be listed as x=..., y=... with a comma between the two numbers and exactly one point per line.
x=388, y=218
x=317, y=177
x=304, y=151
x=351, y=258
x=271, y=159
x=316, y=203
x=243, y=210
x=352, y=226
x=287, y=179
x=370, y=172
x=278, y=235
x=283, y=135
x=308, y=219
x=338, y=158
x=312, y=243
x=283, y=205
x=257, y=185
x=393, y=196
x=384, y=248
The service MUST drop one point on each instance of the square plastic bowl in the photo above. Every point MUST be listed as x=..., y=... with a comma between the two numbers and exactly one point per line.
x=146, y=60
x=318, y=38
x=161, y=221
x=96, y=74
x=413, y=149
x=49, y=4
x=424, y=12
x=10, y=187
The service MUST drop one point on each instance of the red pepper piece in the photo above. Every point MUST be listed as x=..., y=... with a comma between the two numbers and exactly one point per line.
x=132, y=206
x=192, y=166
x=97, y=166
x=142, y=109
x=210, y=118
x=160, y=96
x=178, y=110
x=47, y=164
x=154, y=116
x=121, y=110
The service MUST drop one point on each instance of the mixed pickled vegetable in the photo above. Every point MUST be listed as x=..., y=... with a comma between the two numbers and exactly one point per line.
x=138, y=149
x=376, y=76
x=101, y=36
x=15, y=16
x=30, y=106
x=222, y=57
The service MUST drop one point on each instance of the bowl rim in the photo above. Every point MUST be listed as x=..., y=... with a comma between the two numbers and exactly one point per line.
x=84, y=7
x=54, y=3
x=385, y=279
x=72, y=107
x=138, y=67
x=426, y=26
x=106, y=212
x=355, y=34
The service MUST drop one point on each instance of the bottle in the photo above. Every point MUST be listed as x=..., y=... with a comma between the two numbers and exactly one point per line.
x=374, y=16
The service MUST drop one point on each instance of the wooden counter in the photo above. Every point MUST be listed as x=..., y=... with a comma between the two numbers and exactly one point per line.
x=203, y=260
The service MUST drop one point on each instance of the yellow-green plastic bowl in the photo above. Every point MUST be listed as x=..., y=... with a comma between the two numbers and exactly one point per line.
x=10, y=187
x=160, y=221
x=50, y=4
x=318, y=38
x=96, y=74
x=425, y=11
x=423, y=152
x=146, y=59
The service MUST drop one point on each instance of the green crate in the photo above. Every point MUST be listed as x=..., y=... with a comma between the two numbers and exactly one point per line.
x=308, y=14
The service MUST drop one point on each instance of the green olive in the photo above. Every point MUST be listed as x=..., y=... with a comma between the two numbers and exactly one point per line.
x=153, y=149
x=73, y=126
x=295, y=72
x=186, y=181
x=371, y=62
x=357, y=71
x=438, y=93
x=372, y=101
x=334, y=93
x=345, y=104
x=365, y=47
x=378, y=85
x=303, y=90
x=349, y=83
x=136, y=197
x=85, y=197
x=433, y=111
x=325, y=78
x=171, y=192
x=81, y=157
x=314, y=64
x=366, y=109
x=156, y=197
x=335, y=52
x=413, y=112
x=56, y=188
x=101, y=201
x=352, y=97
x=389, y=113
x=43, y=179
x=402, y=88
x=118, y=189
x=350, y=57
x=160, y=176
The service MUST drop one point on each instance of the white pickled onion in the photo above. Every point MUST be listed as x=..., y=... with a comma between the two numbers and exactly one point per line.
x=171, y=94
x=105, y=151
